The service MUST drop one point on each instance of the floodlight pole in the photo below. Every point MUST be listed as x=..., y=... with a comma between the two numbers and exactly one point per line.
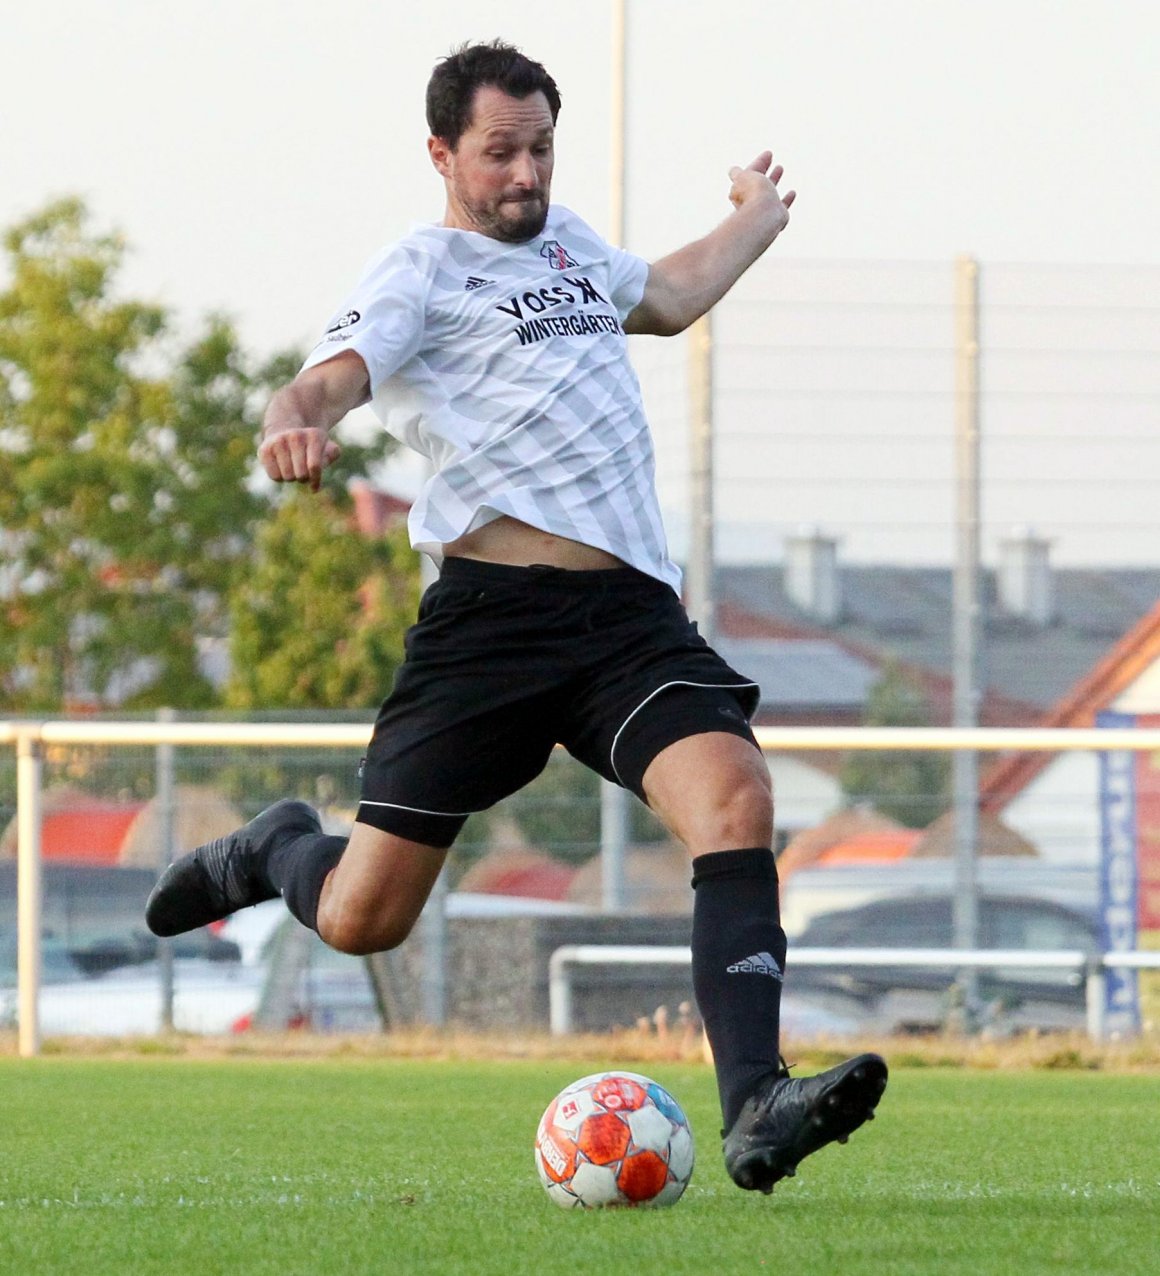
x=614, y=799
x=966, y=615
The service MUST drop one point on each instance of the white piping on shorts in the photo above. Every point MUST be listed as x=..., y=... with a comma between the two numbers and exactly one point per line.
x=728, y=686
x=418, y=810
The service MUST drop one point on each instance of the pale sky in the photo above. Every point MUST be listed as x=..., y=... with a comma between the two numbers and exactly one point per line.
x=256, y=153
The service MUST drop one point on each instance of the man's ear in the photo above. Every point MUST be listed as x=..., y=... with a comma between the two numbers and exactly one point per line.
x=441, y=155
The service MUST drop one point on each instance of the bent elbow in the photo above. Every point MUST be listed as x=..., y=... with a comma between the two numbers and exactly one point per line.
x=673, y=325
x=657, y=323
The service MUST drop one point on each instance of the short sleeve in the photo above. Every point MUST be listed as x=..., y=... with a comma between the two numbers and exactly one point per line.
x=627, y=275
x=381, y=320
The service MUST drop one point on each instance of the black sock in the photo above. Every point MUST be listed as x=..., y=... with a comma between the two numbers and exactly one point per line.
x=297, y=870
x=738, y=961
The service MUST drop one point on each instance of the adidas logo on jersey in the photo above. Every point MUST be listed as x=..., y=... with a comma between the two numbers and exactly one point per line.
x=758, y=964
x=474, y=282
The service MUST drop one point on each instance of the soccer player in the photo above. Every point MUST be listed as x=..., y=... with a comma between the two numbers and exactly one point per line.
x=494, y=344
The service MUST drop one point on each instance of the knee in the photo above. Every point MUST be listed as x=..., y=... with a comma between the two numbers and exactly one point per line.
x=730, y=815
x=745, y=808
x=347, y=932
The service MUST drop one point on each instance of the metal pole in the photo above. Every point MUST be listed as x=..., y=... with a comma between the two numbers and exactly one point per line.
x=164, y=760
x=613, y=846
x=433, y=920
x=28, y=891
x=700, y=589
x=617, y=149
x=966, y=615
x=613, y=799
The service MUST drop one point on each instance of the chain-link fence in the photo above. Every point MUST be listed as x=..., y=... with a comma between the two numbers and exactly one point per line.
x=527, y=879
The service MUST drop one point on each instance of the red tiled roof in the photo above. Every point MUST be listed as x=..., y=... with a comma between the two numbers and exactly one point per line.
x=376, y=511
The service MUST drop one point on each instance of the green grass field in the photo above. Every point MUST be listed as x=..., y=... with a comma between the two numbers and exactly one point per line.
x=369, y=1165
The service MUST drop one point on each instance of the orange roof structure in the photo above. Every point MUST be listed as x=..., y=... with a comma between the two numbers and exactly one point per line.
x=89, y=834
x=80, y=828
x=851, y=824
x=870, y=848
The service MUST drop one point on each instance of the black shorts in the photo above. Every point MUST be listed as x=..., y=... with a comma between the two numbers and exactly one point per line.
x=506, y=662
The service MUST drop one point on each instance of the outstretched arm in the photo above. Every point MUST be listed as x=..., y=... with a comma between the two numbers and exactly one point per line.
x=684, y=285
x=296, y=446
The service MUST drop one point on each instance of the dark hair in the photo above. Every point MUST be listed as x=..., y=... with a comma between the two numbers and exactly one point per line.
x=451, y=89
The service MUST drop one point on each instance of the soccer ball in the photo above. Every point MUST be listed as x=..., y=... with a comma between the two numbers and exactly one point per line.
x=614, y=1138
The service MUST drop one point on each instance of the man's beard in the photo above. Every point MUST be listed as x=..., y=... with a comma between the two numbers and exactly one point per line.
x=511, y=221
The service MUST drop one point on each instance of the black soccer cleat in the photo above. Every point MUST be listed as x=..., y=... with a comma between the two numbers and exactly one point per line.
x=787, y=1118
x=226, y=874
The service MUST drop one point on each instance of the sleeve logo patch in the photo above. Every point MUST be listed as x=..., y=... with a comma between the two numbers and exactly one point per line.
x=347, y=320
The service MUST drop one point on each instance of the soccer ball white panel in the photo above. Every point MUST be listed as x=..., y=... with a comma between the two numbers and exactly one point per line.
x=670, y=1194
x=650, y=1128
x=595, y=1184
x=681, y=1154
x=573, y=1109
x=563, y=1198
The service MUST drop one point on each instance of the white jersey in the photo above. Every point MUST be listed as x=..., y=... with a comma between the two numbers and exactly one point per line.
x=506, y=365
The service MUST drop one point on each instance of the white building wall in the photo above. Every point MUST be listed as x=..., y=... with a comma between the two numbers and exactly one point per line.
x=1059, y=811
x=803, y=795
x=1143, y=696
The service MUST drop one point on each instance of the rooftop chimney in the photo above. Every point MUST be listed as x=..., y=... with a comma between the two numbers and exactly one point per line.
x=811, y=574
x=1025, y=583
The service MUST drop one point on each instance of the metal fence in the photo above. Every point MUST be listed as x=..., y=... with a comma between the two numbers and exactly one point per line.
x=246, y=765
x=1093, y=968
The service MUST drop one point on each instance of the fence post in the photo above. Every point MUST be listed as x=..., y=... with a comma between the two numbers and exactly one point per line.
x=28, y=889
x=164, y=796
x=613, y=845
x=559, y=993
x=1096, y=992
x=966, y=622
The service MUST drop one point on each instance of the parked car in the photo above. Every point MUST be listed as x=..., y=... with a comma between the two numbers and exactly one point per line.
x=113, y=985
x=903, y=998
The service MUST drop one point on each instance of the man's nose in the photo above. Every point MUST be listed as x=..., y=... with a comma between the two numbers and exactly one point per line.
x=524, y=171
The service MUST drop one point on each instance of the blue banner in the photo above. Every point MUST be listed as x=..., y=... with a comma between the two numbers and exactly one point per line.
x=1118, y=876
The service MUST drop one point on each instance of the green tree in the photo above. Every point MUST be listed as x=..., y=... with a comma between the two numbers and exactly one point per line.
x=124, y=504
x=911, y=787
x=319, y=617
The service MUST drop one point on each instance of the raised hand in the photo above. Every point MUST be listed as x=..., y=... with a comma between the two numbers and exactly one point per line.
x=757, y=183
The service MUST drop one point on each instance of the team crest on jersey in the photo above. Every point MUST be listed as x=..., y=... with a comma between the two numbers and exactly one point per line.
x=557, y=255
